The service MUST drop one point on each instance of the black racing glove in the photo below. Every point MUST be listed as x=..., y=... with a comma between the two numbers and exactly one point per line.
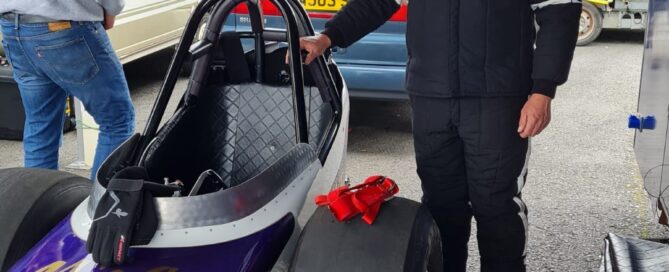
x=125, y=216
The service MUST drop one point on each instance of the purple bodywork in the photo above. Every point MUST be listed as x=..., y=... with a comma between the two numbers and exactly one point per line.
x=61, y=250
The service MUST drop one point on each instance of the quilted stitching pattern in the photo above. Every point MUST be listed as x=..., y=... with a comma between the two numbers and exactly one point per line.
x=241, y=130
x=221, y=115
x=631, y=254
x=265, y=129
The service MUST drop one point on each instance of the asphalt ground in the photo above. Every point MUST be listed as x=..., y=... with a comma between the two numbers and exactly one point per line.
x=583, y=180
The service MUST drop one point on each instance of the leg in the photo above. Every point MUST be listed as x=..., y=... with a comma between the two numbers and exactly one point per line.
x=496, y=159
x=89, y=70
x=110, y=104
x=440, y=161
x=43, y=102
x=44, y=107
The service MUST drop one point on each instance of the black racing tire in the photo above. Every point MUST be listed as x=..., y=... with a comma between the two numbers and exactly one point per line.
x=33, y=201
x=590, y=25
x=404, y=237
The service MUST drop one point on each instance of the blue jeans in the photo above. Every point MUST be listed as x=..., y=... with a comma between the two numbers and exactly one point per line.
x=50, y=65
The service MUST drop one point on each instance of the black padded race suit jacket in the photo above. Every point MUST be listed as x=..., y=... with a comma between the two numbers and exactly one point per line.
x=474, y=48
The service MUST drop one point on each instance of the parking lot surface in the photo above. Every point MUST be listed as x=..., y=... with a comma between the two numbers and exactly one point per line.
x=583, y=180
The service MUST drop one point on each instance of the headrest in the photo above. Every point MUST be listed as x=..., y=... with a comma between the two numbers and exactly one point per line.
x=275, y=69
x=233, y=53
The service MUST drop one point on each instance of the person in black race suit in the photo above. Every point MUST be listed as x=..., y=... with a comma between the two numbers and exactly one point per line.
x=480, y=79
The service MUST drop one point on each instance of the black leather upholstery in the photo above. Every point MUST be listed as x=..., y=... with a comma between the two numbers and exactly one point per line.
x=251, y=127
x=236, y=129
x=632, y=254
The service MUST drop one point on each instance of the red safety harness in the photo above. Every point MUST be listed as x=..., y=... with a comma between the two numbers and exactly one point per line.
x=366, y=199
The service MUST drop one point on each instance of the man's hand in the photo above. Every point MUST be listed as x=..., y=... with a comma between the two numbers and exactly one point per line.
x=109, y=21
x=315, y=46
x=535, y=115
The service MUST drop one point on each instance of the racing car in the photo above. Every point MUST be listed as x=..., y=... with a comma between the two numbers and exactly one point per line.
x=273, y=134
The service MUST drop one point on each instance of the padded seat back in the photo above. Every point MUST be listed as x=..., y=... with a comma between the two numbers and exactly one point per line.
x=238, y=130
x=251, y=125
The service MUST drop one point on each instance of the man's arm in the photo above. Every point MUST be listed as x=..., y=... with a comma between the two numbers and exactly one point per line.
x=109, y=21
x=558, y=22
x=357, y=19
x=558, y=30
x=112, y=7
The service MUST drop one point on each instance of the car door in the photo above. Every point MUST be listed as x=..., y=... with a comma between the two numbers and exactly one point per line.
x=373, y=67
x=386, y=46
x=147, y=26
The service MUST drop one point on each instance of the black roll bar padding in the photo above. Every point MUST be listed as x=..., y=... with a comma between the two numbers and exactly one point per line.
x=275, y=36
x=257, y=28
x=201, y=66
x=296, y=72
x=271, y=35
x=320, y=71
x=200, y=49
x=255, y=16
x=306, y=22
x=307, y=28
x=260, y=56
x=166, y=89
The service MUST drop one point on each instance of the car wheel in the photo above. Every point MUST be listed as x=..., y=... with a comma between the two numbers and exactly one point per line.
x=33, y=202
x=590, y=24
x=404, y=237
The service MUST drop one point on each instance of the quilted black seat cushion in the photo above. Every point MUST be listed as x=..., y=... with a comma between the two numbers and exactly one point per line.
x=632, y=254
x=236, y=130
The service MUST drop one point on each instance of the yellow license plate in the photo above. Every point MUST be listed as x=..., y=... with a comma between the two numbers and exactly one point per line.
x=323, y=5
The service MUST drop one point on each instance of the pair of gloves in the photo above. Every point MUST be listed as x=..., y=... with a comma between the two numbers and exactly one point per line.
x=125, y=215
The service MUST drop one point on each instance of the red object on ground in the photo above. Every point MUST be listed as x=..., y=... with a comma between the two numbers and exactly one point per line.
x=366, y=199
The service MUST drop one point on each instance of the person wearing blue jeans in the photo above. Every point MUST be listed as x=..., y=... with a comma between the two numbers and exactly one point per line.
x=63, y=49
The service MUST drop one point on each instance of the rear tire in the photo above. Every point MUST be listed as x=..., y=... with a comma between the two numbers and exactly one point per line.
x=404, y=237
x=590, y=25
x=33, y=202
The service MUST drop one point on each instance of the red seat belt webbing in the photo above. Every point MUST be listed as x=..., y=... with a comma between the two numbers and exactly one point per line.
x=366, y=199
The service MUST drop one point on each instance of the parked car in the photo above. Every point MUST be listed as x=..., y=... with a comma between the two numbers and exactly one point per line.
x=374, y=67
x=145, y=27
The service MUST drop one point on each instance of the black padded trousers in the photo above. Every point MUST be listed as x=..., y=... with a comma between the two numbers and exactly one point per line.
x=471, y=161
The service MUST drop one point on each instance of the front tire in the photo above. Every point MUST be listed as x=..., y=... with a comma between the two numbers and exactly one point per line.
x=32, y=202
x=404, y=237
x=590, y=25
